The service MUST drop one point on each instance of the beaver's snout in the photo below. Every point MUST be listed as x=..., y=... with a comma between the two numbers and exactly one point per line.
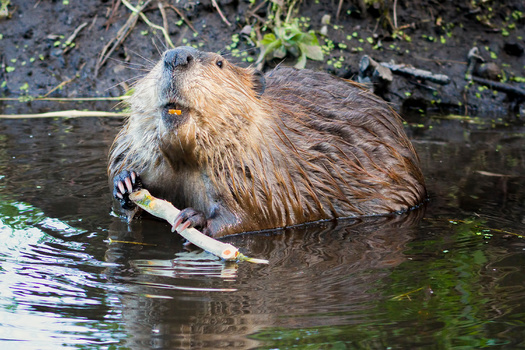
x=174, y=66
x=179, y=57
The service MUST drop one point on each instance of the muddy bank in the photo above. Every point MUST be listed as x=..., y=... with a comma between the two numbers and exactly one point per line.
x=51, y=48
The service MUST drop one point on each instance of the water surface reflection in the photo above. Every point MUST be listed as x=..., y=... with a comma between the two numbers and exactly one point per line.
x=447, y=277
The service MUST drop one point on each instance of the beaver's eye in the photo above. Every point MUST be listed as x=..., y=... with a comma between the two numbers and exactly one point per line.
x=219, y=64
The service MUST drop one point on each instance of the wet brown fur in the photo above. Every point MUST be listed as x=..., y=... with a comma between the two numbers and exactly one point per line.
x=310, y=147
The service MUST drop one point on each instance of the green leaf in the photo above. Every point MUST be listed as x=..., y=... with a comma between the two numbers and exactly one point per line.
x=311, y=39
x=301, y=63
x=313, y=52
x=269, y=48
x=292, y=33
x=279, y=52
x=268, y=39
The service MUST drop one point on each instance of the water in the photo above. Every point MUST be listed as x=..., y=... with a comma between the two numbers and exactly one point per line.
x=447, y=276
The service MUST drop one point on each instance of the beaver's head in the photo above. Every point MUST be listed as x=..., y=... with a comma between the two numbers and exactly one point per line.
x=195, y=95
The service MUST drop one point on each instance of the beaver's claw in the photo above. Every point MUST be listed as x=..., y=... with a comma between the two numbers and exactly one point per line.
x=189, y=217
x=123, y=184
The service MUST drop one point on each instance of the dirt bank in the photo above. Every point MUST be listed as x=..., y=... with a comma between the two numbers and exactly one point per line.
x=38, y=60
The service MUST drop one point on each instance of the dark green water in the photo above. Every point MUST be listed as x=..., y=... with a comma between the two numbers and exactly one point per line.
x=448, y=276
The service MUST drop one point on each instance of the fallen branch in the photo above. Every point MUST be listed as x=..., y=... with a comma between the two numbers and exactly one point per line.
x=64, y=114
x=503, y=87
x=165, y=210
x=417, y=73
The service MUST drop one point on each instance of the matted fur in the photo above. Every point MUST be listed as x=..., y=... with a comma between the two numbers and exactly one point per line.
x=310, y=147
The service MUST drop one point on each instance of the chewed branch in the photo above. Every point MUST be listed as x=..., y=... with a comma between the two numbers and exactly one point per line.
x=165, y=210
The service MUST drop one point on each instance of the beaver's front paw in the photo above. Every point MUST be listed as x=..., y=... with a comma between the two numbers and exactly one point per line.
x=123, y=184
x=190, y=217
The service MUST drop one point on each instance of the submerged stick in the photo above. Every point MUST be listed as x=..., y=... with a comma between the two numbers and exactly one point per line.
x=165, y=210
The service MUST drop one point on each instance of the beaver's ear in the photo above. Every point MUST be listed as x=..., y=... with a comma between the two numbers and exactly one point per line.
x=259, y=83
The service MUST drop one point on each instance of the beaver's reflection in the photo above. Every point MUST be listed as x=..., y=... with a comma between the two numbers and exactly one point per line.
x=319, y=275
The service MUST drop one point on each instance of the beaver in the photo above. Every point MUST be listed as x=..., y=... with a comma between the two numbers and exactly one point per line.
x=242, y=151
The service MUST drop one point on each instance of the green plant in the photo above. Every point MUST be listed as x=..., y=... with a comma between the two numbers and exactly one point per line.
x=288, y=38
x=4, y=11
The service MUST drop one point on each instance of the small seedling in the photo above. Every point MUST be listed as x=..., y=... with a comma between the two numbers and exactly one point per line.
x=290, y=39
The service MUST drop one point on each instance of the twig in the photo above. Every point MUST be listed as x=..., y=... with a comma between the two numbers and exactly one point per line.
x=339, y=6
x=290, y=9
x=406, y=295
x=184, y=18
x=64, y=99
x=395, y=15
x=214, y=2
x=72, y=37
x=488, y=173
x=164, y=18
x=93, y=22
x=148, y=22
x=113, y=12
x=111, y=241
x=64, y=114
x=115, y=42
x=59, y=86
x=165, y=210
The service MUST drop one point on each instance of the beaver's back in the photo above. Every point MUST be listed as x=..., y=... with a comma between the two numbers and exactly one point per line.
x=344, y=148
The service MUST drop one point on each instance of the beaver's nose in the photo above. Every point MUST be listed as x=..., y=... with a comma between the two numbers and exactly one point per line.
x=181, y=56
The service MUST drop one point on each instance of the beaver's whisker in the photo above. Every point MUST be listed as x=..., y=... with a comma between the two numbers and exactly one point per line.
x=133, y=65
x=151, y=62
x=131, y=81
